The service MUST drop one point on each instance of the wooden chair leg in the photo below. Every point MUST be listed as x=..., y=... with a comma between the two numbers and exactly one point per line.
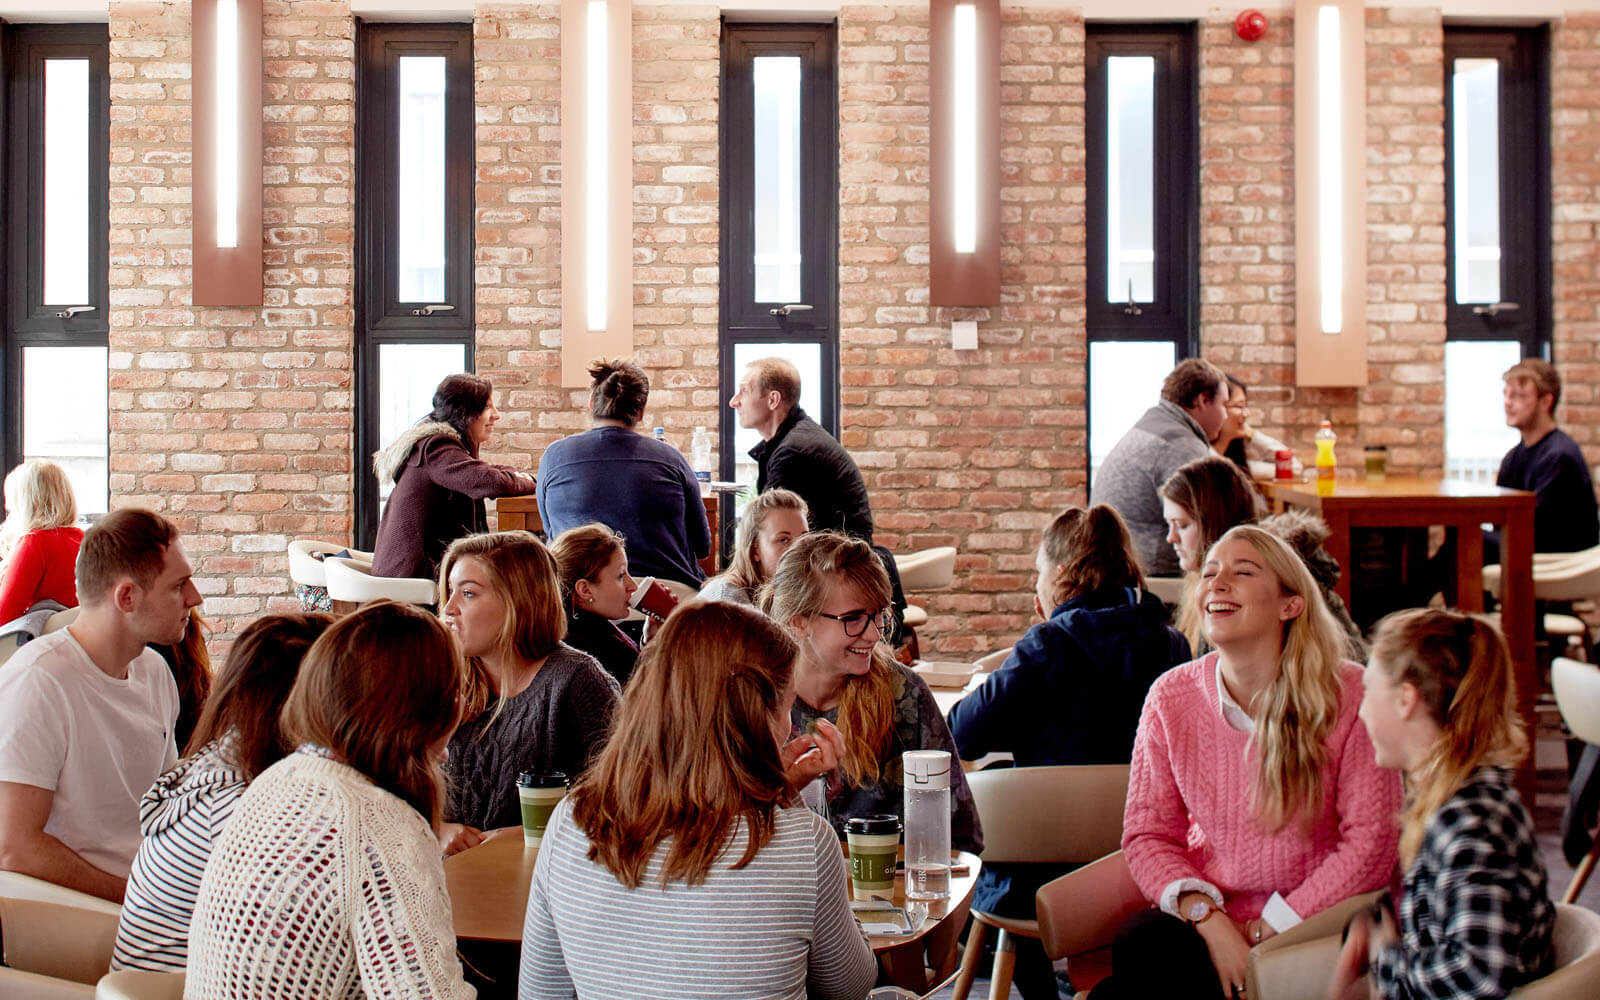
x=1584, y=870
x=976, y=935
x=1005, y=964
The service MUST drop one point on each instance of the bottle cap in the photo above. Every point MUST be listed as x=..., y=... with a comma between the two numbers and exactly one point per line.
x=872, y=826
x=544, y=779
x=927, y=769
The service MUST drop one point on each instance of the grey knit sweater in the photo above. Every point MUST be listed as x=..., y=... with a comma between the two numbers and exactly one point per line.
x=557, y=724
x=1164, y=438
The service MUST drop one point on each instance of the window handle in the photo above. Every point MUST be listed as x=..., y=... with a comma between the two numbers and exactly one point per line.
x=797, y=307
x=71, y=311
x=437, y=307
x=1132, y=308
x=1494, y=309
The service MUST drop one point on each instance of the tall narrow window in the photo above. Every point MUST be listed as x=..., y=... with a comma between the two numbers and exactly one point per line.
x=1142, y=225
x=414, y=233
x=780, y=264
x=55, y=196
x=1497, y=223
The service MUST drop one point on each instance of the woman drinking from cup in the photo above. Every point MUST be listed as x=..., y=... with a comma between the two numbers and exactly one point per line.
x=533, y=703
x=327, y=882
x=1475, y=912
x=769, y=525
x=832, y=593
x=684, y=822
x=1254, y=800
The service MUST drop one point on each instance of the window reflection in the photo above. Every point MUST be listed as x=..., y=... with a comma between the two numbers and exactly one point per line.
x=1475, y=433
x=1124, y=380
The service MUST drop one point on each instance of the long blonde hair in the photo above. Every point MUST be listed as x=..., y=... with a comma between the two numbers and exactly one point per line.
x=38, y=497
x=812, y=568
x=693, y=751
x=743, y=570
x=1462, y=671
x=1294, y=714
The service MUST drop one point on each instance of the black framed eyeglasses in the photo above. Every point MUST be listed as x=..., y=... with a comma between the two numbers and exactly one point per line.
x=855, y=622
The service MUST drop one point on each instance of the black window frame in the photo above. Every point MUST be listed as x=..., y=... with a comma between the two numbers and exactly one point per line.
x=380, y=316
x=1525, y=213
x=741, y=319
x=1173, y=316
x=25, y=321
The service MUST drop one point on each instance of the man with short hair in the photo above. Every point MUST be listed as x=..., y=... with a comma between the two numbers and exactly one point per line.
x=796, y=454
x=87, y=712
x=1546, y=462
x=1174, y=432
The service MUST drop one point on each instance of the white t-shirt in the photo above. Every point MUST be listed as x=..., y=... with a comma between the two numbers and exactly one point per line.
x=96, y=741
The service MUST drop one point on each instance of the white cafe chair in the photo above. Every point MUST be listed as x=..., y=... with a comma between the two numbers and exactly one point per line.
x=352, y=582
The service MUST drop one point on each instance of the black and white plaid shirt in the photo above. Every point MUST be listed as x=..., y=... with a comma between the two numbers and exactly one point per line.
x=1476, y=918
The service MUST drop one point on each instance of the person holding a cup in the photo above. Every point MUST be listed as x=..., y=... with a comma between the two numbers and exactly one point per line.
x=685, y=821
x=832, y=593
x=533, y=703
x=598, y=592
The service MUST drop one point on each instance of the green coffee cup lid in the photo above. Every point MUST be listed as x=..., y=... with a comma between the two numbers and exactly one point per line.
x=542, y=779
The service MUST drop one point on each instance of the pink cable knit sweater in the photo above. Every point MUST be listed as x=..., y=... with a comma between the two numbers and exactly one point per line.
x=1189, y=815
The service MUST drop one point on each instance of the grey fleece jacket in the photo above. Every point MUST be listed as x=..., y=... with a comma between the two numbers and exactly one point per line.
x=1164, y=439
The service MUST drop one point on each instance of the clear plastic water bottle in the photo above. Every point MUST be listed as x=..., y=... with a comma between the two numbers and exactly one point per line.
x=927, y=813
x=700, y=455
x=661, y=434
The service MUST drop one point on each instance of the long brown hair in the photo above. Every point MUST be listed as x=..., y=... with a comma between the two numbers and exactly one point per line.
x=815, y=565
x=379, y=689
x=190, y=663
x=743, y=570
x=523, y=574
x=251, y=689
x=581, y=553
x=1296, y=712
x=1218, y=495
x=693, y=752
x=1462, y=671
x=1089, y=550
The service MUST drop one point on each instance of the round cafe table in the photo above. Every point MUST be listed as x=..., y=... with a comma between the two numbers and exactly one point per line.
x=488, y=887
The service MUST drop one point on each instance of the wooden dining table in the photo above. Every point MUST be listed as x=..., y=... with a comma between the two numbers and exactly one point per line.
x=1423, y=501
x=488, y=887
x=522, y=513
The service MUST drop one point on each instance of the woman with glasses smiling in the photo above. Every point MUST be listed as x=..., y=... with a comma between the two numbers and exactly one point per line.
x=833, y=594
x=1248, y=448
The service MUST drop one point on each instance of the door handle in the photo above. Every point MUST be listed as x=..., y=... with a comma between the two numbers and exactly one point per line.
x=787, y=310
x=71, y=311
x=430, y=310
x=1494, y=309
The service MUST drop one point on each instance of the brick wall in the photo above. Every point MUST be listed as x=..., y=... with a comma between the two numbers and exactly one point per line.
x=234, y=422
x=974, y=448
x=1575, y=223
x=1247, y=235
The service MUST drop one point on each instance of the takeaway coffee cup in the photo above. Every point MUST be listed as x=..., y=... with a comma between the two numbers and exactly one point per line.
x=539, y=792
x=874, y=843
x=653, y=598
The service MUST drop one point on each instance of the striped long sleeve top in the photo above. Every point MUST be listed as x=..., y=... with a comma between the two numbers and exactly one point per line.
x=180, y=817
x=780, y=928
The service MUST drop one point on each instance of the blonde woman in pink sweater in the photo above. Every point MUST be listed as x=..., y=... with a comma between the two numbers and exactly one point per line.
x=1254, y=800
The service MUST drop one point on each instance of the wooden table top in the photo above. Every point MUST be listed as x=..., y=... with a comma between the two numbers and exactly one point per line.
x=488, y=887
x=1389, y=488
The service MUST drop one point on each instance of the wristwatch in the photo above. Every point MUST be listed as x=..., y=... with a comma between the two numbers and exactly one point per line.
x=1200, y=911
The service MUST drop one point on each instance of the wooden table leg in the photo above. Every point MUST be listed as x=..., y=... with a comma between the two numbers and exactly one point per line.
x=1338, y=546
x=903, y=966
x=1516, y=621
x=1469, y=568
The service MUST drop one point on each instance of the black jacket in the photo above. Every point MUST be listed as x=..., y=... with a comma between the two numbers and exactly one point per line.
x=603, y=640
x=804, y=458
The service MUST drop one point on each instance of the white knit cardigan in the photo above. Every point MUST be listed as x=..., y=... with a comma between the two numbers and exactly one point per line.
x=323, y=886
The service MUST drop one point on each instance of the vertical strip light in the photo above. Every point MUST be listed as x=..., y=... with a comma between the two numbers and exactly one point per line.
x=964, y=172
x=596, y=147
x=226, y=42
x=596, y=184
x=1330, y=111
x=964, y=166
x=1330, y=153
x=227, y=123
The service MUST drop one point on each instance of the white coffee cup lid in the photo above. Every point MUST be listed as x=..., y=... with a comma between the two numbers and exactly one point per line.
x=643, y=584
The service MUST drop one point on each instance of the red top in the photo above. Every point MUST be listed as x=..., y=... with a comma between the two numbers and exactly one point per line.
x=40, y=568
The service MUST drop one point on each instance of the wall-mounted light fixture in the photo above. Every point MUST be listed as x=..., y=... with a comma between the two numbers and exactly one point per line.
x=964, y=172
x=596, y=184
x=227, y=228
x=1330, y=193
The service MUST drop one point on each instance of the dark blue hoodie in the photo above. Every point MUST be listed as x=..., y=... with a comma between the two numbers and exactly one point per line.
x=1072, y=689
